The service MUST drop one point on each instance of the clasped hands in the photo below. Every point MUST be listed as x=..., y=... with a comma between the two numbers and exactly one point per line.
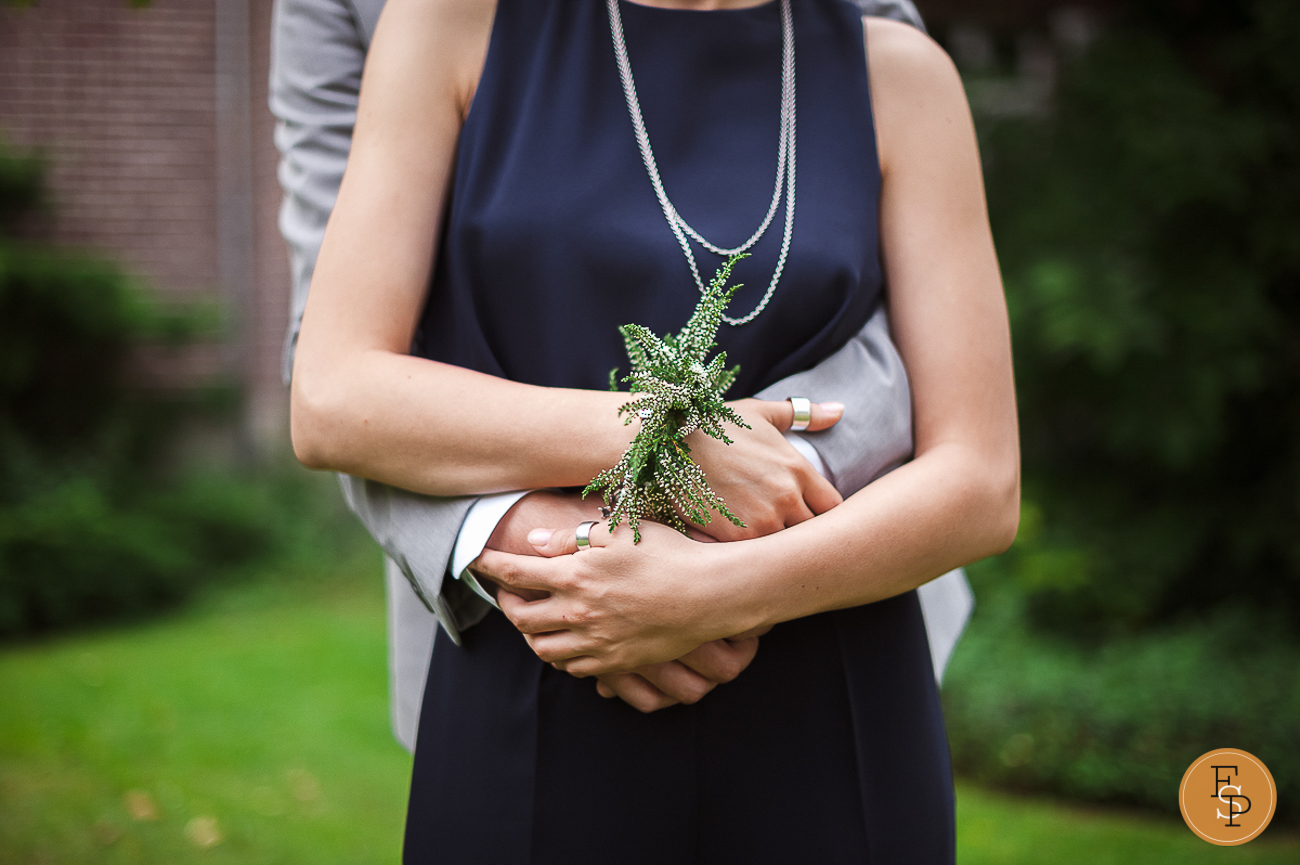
x=646, y=620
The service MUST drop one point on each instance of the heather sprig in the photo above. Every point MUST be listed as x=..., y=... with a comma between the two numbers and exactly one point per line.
x=678, y=390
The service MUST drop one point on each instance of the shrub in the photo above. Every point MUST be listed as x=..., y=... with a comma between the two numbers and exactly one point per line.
x=96, y=519
x=1122, y=720
x=1148, y=229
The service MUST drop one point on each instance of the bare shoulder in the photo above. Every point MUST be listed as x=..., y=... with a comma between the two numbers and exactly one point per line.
x=901, y=52
x=434, y=44
x=432, y=17
x=915, y=88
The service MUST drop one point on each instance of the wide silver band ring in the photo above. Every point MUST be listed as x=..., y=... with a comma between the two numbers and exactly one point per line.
x=584, y=535
x=802, y=413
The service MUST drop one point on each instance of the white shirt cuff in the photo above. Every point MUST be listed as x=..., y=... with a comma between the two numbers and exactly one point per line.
x=475, y=531
x=809, y=453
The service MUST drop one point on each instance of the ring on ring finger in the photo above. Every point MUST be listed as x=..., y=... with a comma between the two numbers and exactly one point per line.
x=584, y=535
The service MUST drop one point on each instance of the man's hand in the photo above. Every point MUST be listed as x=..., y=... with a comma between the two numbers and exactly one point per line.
x=541, y=508
x=649, y=688
x=685, y=680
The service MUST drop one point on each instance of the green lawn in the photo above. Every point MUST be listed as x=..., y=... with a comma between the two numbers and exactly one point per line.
x=1013, y=830
x=253, y=728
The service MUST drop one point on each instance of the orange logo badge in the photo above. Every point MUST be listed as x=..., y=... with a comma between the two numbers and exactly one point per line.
x=1227, y=796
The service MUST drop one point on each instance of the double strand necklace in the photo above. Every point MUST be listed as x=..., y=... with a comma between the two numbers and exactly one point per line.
x=784, y=160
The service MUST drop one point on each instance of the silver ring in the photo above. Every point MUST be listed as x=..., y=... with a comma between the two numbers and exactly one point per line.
x=584, y=535
x=802, y=413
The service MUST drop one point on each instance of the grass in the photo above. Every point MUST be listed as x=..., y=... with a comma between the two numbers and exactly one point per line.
x=1015, y=830
x=253, y=728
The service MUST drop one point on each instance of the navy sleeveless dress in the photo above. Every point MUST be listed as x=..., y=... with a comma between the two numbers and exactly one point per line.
x=830, y=747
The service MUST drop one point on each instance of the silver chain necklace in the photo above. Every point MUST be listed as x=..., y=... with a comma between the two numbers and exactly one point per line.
x=784, y=161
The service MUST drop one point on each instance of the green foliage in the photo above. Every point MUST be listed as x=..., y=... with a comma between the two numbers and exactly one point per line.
x=1149, y=231
x=95, y=519
x=69, y=326
x=680, y=392
x=83, y=550
x=1123, y=720
x=21, y=185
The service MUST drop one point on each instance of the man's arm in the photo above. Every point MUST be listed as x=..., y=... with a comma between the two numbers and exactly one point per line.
x=897, y=10
x=875, y=433
x=318, y=53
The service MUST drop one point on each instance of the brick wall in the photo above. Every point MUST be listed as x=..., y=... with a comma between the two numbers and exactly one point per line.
x=270, y=407
x=123, y=101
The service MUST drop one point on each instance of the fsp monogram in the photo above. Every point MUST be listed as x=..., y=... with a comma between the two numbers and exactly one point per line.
x=1233, y=800
x=1228, y=815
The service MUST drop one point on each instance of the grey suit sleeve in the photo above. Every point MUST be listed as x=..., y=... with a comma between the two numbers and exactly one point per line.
x=898, y=10
x=318, y=50
x=418, y=533
x=875, y=433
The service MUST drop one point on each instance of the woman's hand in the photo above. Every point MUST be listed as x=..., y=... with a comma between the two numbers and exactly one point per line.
x=618, y=606
x=648, y=689
x=761, y=477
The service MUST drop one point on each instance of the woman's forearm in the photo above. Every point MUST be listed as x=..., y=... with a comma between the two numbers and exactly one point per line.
x=360, y=404
x=444, y=430
x=619, y=606
x=948, y=508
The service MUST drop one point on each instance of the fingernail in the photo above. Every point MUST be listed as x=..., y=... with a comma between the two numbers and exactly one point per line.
x=540, y=537
x=833, y=407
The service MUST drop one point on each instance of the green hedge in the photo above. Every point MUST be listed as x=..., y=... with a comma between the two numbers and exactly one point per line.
x=99, y=517
x=1121, y=720
x=1149, y=232
x=75, y=553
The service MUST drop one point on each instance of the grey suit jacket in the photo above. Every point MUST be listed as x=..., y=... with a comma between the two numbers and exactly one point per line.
x=318, y=52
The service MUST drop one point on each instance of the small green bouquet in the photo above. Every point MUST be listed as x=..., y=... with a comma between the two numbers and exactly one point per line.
x=678, y=391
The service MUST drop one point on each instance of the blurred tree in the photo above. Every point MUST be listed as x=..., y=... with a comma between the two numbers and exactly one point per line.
x=1149, y=230
x=94, y=519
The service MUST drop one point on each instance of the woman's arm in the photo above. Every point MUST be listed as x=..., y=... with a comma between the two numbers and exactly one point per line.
x=362, y=406
x=360, y=403
x=621, y=606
